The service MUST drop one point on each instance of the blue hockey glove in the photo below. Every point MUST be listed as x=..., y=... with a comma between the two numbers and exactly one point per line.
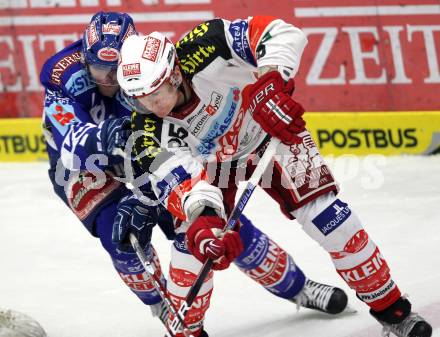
x=114, y=133
x=133, y=217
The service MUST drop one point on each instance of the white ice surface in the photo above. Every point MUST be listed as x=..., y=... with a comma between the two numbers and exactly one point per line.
x=53, y=270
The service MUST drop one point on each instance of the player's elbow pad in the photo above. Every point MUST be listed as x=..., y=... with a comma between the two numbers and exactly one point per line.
x=202, y=195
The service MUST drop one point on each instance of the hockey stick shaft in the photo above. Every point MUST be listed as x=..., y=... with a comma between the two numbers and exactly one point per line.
x=236, y=213
x=149, y=268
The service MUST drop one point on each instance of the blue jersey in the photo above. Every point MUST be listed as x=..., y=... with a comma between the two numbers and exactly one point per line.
x=73, y=110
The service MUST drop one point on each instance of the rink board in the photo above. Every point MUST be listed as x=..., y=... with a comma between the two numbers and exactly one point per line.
x=21, y=140
x=363, y=55
x=335, y=133
x=386, y=133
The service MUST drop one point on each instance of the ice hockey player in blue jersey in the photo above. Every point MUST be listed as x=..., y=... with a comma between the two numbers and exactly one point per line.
x=86, y=125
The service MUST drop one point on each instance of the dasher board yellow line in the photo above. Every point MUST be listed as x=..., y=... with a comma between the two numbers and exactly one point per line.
x=335, y=133
x=386, y=133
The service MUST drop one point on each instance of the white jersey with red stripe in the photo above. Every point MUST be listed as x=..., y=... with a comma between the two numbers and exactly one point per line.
x=218, y=58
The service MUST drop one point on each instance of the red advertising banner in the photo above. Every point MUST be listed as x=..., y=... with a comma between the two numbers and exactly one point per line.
x=362, y=55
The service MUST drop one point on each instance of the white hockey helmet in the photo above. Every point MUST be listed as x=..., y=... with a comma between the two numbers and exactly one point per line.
x=145, y=63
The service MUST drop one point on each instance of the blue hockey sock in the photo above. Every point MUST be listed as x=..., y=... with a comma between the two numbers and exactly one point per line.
x=128, y=266
x=267, y=263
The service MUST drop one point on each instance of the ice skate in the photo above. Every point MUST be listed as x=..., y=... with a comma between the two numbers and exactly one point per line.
x=160, y=310
x=322, y=297
x=203, y=333
x=412, y=326
x=401, y=321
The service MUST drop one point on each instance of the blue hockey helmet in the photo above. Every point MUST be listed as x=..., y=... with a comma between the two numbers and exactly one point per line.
x=104, y=36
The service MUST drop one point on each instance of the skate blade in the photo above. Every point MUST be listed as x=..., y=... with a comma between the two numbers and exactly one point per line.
x=349, y=310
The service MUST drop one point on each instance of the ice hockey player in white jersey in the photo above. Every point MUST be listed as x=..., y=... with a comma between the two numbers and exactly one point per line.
x=84, y=117
x=216, y=98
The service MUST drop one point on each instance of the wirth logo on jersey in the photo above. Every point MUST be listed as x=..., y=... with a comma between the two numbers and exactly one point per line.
x=131, y=69
x=332, y=217
x=108, y=54
x=111, y=28
x=149, y=140
x=198, y=59
x=151, y=49
x=62, y=65
x=197, y=32
x=92, y=35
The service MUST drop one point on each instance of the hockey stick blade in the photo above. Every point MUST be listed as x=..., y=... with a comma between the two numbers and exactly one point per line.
x=235, y=215
x=171, y=332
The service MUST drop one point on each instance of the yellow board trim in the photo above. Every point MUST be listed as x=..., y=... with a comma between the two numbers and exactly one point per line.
x=335, y=133
x=387, y=133
x=21, y=140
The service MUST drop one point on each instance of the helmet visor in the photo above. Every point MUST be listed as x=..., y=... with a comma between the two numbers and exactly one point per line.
x=160, y=102
x=103, y=75
x=135, y=104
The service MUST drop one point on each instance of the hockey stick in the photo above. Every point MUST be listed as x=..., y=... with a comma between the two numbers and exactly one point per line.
x=149, y=268
x=235, y=215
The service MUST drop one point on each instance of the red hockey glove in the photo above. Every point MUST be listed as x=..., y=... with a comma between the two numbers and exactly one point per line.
x=205, y=239
x=271, y=106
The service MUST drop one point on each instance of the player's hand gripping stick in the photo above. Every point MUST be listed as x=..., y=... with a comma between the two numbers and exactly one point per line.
x=149, y=268
x=238, y=210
